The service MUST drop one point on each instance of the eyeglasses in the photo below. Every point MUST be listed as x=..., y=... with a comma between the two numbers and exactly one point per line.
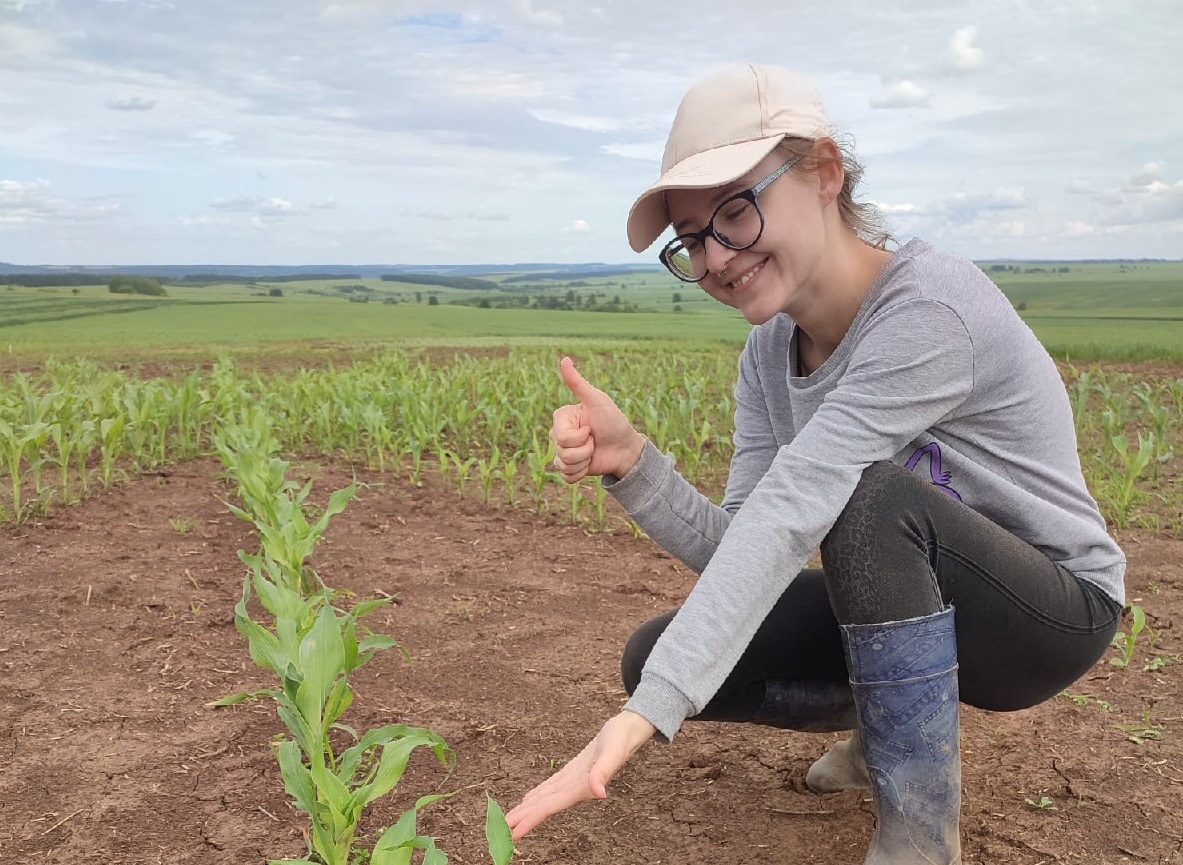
x=737, y=223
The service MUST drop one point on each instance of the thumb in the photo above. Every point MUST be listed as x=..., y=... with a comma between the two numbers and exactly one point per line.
x=597, y=782
x=575, y=382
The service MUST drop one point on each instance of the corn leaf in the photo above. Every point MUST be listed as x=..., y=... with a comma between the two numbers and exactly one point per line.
x=299, y=728
x=364, y=608
x=338, y=501
x=498, y=833
x=240, y=697
x=264, y=647
x=375, y=642
x=288, y=633
x=281, y=602
x=322, y=656
x=351, y=757
x=340, y=699
x=392, y=765
x=395, y=846
x=333, y=791
x=349, y=641
x=297, y=780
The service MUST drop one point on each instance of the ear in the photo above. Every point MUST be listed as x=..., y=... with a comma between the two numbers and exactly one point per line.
x=831, y=171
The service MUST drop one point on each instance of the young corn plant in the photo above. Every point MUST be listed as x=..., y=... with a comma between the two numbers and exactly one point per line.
x=21, y=450
x=509, y=477
x=314, y=646
x=1133, y=463
x=1126, y=643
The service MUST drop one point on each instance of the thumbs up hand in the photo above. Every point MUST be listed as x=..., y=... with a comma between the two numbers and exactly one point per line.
x=593, y=436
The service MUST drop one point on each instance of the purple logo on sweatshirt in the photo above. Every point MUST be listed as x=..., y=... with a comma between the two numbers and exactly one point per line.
x=939, y=476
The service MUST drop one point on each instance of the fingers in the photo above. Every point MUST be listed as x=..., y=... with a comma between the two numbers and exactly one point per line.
x=575, y=382
x=567, y=787
x=574, y=445
x=586, y=776
x=573, y=463
x=566, y=429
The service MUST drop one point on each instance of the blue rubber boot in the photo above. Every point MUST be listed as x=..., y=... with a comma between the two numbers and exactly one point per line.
x=904, y=678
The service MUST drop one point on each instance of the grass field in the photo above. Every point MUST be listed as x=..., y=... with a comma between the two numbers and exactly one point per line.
x=1094, y=311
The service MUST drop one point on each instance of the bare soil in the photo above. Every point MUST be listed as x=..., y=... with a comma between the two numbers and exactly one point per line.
x=116, y=630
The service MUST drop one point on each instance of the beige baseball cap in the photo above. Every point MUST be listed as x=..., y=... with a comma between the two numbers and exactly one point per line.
x=724, y=126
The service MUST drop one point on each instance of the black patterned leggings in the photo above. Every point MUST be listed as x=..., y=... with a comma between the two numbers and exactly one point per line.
x=1026, y=627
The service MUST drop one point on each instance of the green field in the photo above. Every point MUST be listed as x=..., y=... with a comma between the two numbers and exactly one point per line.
x=1094, y=311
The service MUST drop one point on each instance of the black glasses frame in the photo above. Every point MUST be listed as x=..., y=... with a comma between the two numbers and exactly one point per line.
x=700, y=237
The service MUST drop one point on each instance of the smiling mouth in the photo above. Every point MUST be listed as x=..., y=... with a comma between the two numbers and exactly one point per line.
x=744, y=278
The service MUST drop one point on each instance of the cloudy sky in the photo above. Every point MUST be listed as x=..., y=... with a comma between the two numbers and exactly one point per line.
x=475, y=131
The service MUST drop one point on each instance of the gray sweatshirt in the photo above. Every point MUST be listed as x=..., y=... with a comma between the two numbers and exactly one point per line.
x=937, y=373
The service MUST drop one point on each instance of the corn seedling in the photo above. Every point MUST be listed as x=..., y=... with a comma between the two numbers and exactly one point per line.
x=1045, y=803
x=463, y=468
x=1124, y=642
x=599, y=505
x=1133, y=463
x=21, y=449
x=509, y=477
x=487, y=470
x=1083, y=700
x=1160, y=661
x=110, y=446
x=313, y=646
x=1146, y=731
x=539, y=462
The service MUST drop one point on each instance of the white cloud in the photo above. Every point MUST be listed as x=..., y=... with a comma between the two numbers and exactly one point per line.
x=1155, y=202
x=581, y=225
x=964, y=207
x=893, y=209
x=962, y=55
x=212, y=137
x=575, y=121
x=494, y=119
x=270, y=206
x=133, y=103
x=445, y=216
x=1148, y=177
x=901, y=94
x=547, y=17
x=33, y=201
x=647, y=150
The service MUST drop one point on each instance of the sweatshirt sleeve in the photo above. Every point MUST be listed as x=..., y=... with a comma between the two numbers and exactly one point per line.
x=671, y=510
x=912, y=366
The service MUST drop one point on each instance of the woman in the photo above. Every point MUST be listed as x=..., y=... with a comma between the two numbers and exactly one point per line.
x=893, y=410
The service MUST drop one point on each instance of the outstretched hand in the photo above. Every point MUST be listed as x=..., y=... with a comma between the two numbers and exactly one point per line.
x=586, y=776
x=592, y=436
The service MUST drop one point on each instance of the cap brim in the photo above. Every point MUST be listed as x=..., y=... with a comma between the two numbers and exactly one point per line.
x=648, y=217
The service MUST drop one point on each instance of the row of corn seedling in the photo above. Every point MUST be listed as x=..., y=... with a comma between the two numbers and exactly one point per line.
x=1128, y=431
x=331, y=770
x=481, y=423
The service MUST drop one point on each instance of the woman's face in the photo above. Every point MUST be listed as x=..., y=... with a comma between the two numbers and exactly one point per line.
x=776, y=274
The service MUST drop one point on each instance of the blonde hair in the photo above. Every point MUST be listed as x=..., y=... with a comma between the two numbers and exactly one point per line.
x=861, y=217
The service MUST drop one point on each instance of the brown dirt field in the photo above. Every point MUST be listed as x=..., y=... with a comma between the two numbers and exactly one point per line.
x=116, y=630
